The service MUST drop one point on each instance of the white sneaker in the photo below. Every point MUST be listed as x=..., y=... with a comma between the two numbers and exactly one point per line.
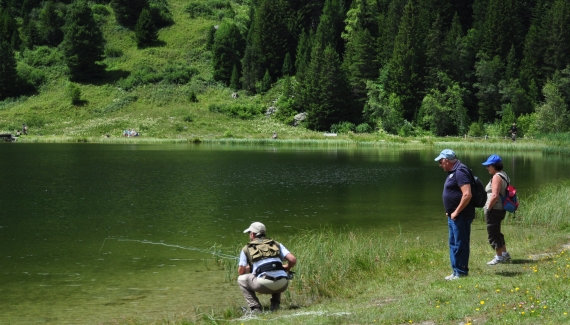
x=496, y=260
x=449, y=277
x=452, y=277
x=506, y=257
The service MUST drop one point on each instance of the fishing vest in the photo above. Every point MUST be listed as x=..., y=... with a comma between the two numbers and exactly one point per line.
x=261, y=248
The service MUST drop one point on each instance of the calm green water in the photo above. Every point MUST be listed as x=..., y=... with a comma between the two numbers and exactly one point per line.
x=94, y=233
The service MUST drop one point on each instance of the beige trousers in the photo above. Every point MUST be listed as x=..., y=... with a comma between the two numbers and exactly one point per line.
x=250, y=284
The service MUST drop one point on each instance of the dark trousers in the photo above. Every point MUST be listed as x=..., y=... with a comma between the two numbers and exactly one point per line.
x=493, y=218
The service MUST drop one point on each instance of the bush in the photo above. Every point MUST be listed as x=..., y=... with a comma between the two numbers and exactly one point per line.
x=192, y=97
x=242, y=111
x=494, y=130
x=42, y=56
x=342, y=127
x=179, y=73
x=160, y=13
x=99, y=9
x=476, y=129
x=113, y=52
x=209, y=9
x=73, y=92
x=363, y=128
x=30, y=75
x=525, y=125
x=285, y=110
x=142, y=76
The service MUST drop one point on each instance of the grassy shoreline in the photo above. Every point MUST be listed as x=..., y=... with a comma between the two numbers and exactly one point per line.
x=366, y=277
x=318, y=140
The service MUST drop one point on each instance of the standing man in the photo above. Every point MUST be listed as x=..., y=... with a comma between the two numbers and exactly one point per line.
x=459, y=213
x=514, y=132
x=261, y=269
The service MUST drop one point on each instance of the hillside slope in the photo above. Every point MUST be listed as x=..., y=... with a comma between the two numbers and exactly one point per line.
x=161, y=110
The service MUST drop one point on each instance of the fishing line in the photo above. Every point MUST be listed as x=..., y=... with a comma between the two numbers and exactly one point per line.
x=190, y=248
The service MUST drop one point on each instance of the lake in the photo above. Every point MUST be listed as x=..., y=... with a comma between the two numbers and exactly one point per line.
x=92, y=233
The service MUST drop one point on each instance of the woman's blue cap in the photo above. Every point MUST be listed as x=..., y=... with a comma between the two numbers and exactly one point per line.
x=493, y=159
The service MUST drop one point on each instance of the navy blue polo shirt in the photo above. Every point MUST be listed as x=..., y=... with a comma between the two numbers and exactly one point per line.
x=452, y=194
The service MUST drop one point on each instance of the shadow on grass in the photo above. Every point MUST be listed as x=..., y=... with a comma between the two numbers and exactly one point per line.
x=109, y=77
x=509, y=274
x=522, y=261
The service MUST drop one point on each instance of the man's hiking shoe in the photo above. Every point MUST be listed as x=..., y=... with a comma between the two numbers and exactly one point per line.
x=496, y=260
x=454, y=277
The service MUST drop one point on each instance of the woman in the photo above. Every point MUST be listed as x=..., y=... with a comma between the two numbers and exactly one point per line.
x=494, y=212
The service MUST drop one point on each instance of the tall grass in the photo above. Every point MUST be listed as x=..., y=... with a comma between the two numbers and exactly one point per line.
x=548, y=207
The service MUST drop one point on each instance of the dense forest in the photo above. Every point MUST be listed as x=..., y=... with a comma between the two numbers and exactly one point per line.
x=408, y=67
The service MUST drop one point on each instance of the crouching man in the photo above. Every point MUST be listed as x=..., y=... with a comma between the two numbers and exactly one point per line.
x=261, y=268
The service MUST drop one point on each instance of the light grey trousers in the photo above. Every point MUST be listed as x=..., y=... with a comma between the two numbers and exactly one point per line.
x=250, y=284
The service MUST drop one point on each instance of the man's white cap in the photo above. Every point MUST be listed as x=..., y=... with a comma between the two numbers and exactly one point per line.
x=256, y=228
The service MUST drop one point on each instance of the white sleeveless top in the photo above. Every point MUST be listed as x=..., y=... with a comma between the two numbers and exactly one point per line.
x=499, y=204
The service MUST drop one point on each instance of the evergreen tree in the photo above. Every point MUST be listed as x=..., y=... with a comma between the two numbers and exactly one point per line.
x=146, y=32
x=127, y=12
x=8, y=74
x=50, y=24
x=83, y=43
x=265, y=82
x=435, y=47
x=30, y=34
x=234, y=81
x=512, y=65
x=251, y=64
x=360, y=62
x=531, y=72
x=406, y=68
x=287, y=65
x=303, y=55
x=227, y=50
x=502, y=28
x=326, y=91
x=557, y=55
x=389, y=25
x=489, y=73
x=269, y=40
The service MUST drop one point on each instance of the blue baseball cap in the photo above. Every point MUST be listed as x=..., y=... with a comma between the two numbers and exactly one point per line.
x=447, y=154
x=493, y=159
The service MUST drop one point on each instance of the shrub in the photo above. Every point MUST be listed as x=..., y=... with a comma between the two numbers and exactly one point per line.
x=364, y=128
x=476, y=129
x=192, y=97
x=160, y=13
x=179, y=73
x=99, y=9
x=242, y=111
x=142, y=76
x=285, y=111
x=209, y=8
x=342, y=127
x=30, y=75
x=42, y=56
x=113, y=52
x=73, y=92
